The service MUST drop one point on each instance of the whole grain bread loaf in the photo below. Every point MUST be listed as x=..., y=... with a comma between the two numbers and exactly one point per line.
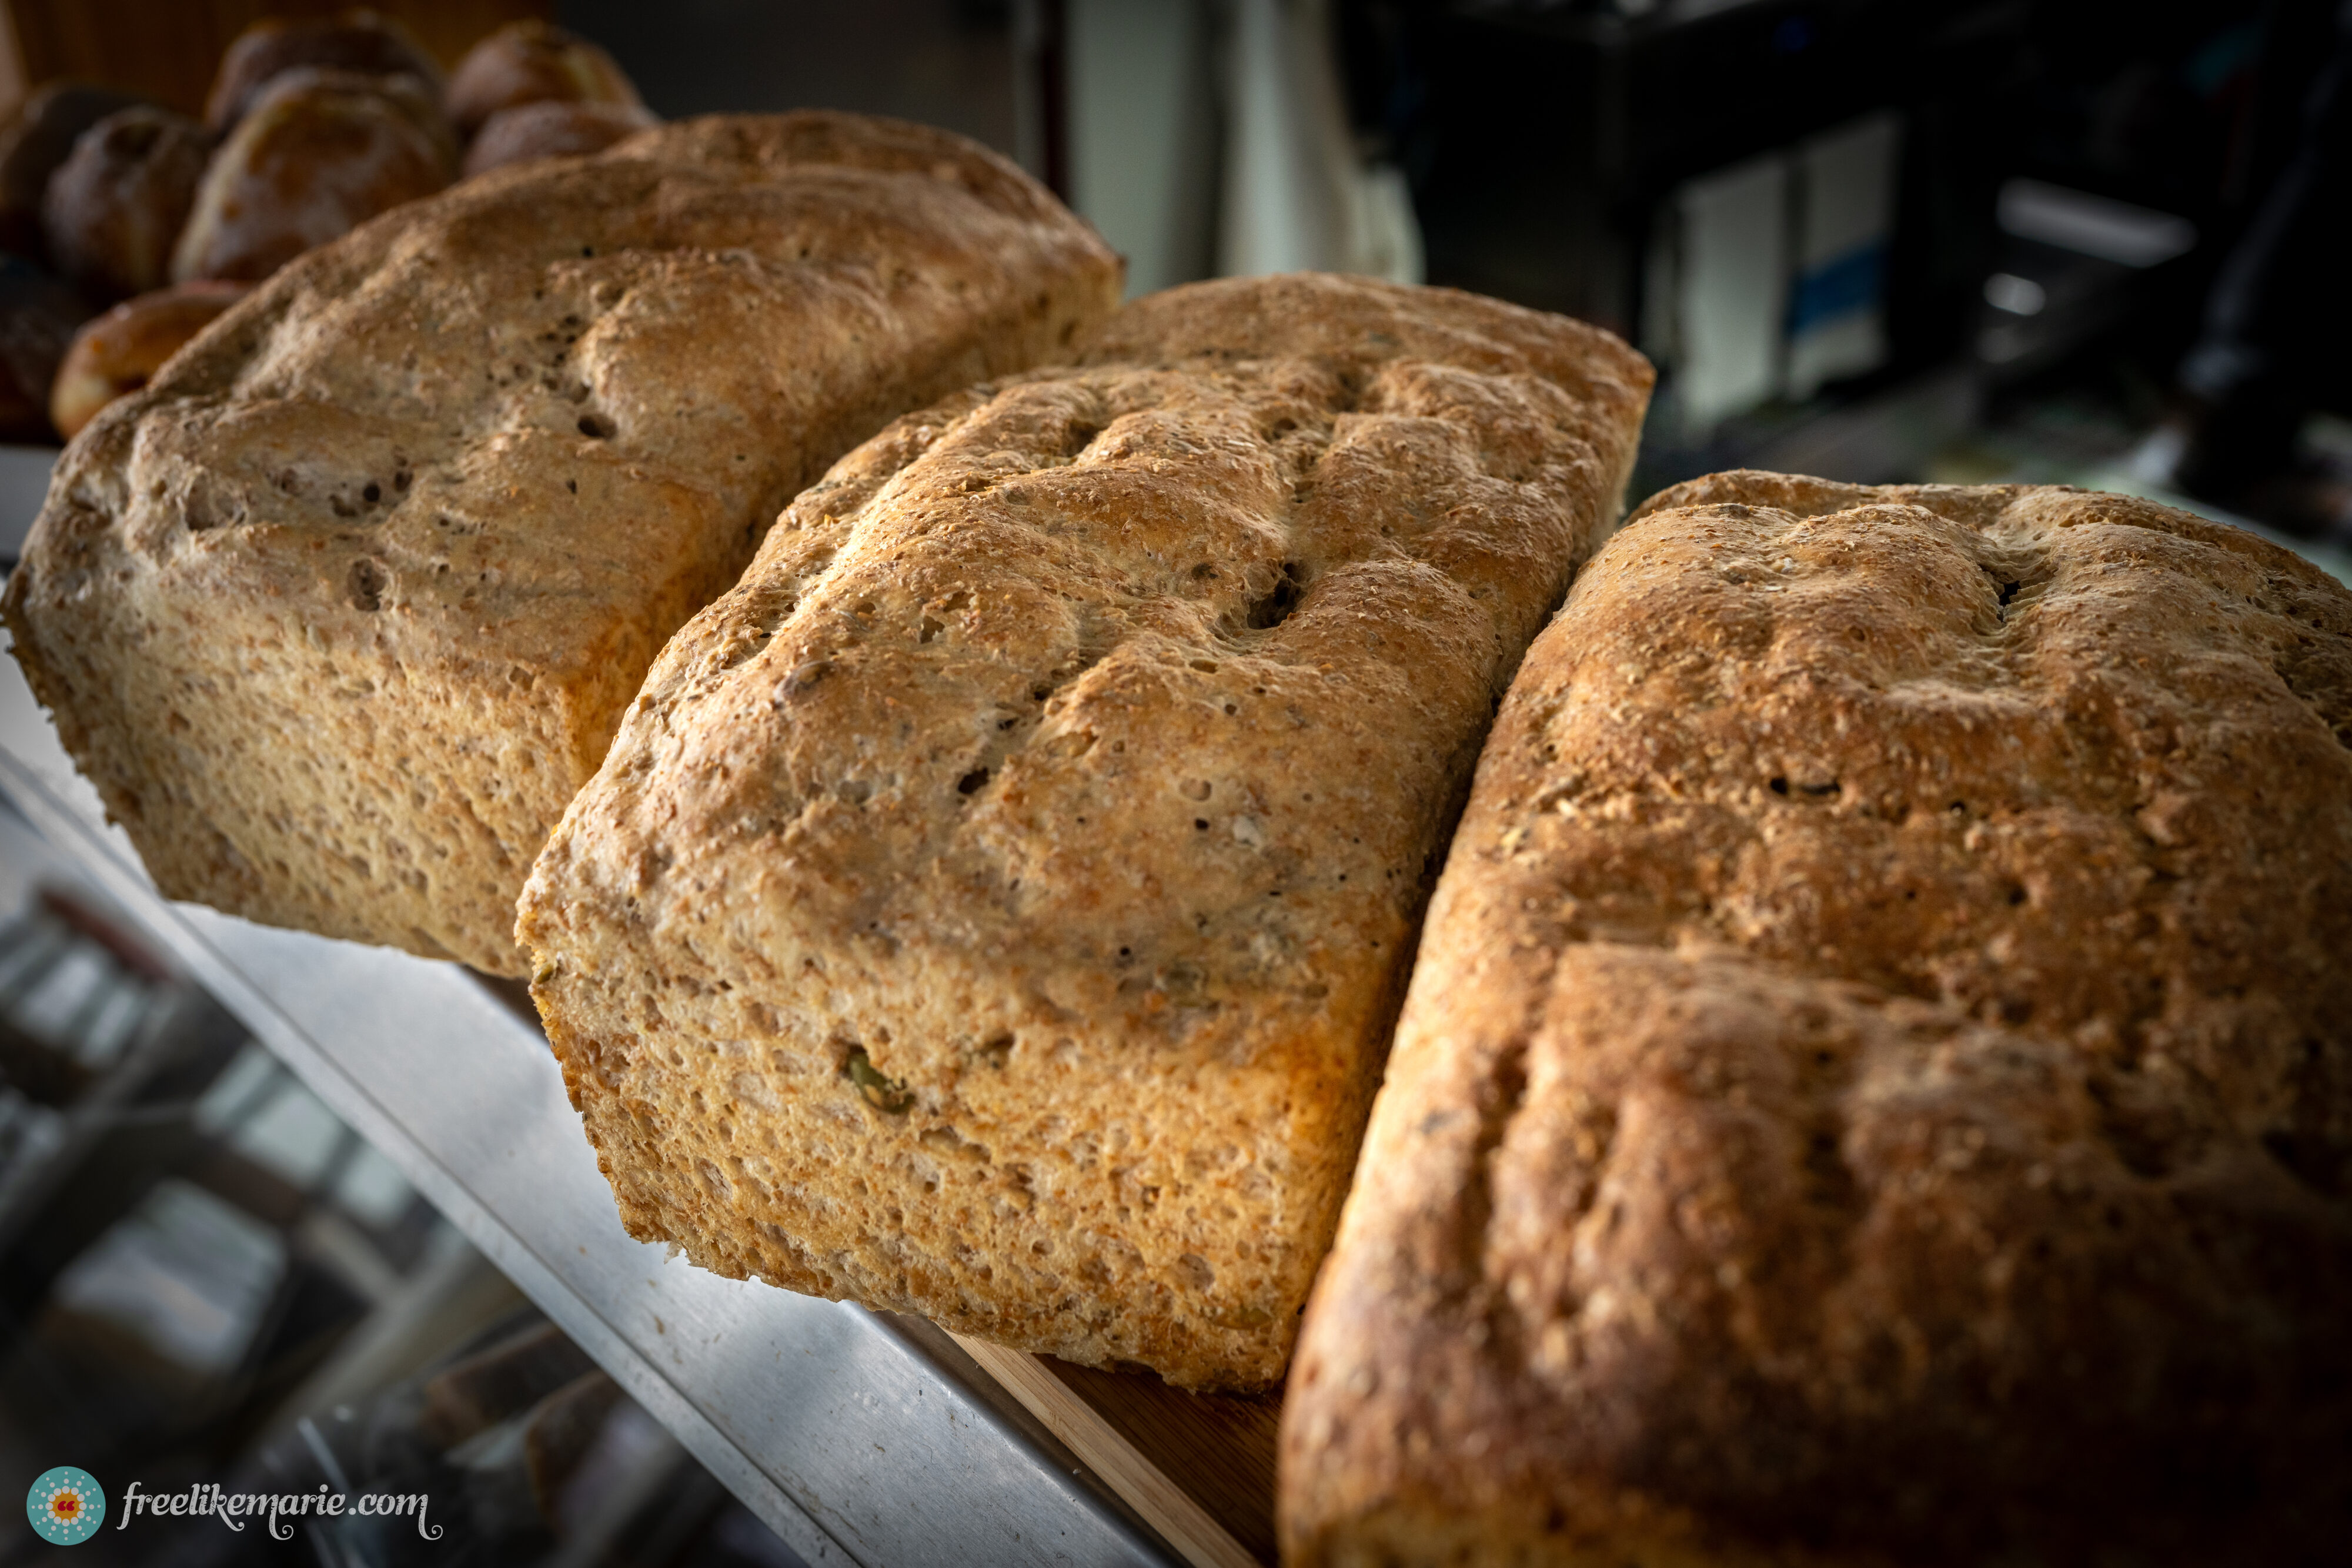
x=1877, y=1088
x=338, y=611
x=995, y=906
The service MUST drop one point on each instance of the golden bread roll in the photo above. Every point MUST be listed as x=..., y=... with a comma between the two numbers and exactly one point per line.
x=533, y=62
x=319, y=153
x=120, y=351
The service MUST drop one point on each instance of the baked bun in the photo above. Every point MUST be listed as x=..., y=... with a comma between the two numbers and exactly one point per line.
x=34, y=142
x=38, y=318
x=359, y=41
x=533, y=62
x=319, y=153
x=531, y=131
x=119, y=352
x=114, y=208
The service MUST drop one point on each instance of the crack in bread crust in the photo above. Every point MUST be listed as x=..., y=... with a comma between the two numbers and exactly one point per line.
x=1002, y=919
x=1935, y=1144
x=339, y=611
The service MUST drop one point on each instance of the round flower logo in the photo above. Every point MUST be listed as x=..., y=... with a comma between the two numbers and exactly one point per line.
x=66, y=1506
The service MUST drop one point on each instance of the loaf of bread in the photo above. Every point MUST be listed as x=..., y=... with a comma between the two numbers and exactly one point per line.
x=319, y=153
x=114, y=209
x=995, y=907
x=340, y=609
x=1876, y=1086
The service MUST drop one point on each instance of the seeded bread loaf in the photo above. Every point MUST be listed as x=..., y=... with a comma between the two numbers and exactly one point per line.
x=1876, y=1086
x=995, y=906
x=338, y=611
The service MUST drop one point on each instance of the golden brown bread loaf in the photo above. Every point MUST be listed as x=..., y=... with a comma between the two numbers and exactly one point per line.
x=114, y=208
x=1876, y=1087
x=115, y=354
x=531, y=61
x=994, y=907
x=340, y=610
x=319, y=153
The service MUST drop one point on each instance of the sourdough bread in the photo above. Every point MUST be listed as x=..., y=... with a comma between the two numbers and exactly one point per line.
x=995, y=906
x=339, y=611
x=1877, y=1088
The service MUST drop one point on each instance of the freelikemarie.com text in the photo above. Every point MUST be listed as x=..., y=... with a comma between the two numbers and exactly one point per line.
x=237, y=1510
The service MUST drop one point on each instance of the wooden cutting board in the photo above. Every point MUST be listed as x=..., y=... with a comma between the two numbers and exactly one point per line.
x=1197, y=1468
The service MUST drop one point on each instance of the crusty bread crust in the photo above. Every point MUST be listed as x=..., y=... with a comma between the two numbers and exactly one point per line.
x=340, y=610
x=995, y=907
x=1877, y=1088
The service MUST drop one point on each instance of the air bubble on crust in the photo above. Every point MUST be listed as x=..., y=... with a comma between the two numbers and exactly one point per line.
x=1272, y=608
x=366, y=585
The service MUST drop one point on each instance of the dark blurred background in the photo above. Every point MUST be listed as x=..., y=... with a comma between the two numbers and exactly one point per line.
x=1877, y=239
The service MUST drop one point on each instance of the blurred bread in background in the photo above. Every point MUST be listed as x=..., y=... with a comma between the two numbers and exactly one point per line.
x=115, y=207
x=38, y=318
x=118, y=352
x=533, y=62
x=309, y=126
x=359, y=41
x=33, y=144
x=319, y=153
x=532, y=130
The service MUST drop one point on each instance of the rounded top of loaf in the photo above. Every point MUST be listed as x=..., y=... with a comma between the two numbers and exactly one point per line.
x=1316, y=315
x=484, y=403
x=498, y=442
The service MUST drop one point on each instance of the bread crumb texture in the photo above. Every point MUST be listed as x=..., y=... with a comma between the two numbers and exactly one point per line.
x=339, y=611
x=996, y=907
x=1877, y=1088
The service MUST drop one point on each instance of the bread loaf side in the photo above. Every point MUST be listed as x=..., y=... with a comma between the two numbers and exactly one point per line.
x=339, y=611
x=1876, y=1087
x=995, y=906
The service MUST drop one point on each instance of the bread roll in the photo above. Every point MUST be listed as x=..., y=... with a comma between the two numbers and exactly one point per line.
x=362, y=42
x=38, y=139
x=532, y=61
x=319, y=153
x=1876, y=1087
x=38, y=318
x=116, y=207
x=995, y=906
x=120, y=351
x=550, y=130
x=340, y=610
